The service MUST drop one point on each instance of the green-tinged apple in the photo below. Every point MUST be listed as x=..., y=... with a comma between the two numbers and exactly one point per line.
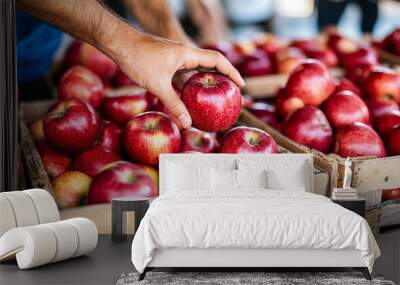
x=71, y=189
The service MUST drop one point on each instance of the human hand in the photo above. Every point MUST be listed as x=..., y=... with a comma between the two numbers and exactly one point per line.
x=152, y=62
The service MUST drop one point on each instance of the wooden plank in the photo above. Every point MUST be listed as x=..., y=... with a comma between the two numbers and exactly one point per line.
x=100, y=214
x=377, y=174
x=32, y=111
x=388, y=57
x=267, y=86
x=37, y=174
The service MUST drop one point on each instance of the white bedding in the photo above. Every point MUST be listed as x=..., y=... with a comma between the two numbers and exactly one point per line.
x=252, y=218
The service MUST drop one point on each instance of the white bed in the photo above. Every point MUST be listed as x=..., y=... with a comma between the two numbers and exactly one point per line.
x=248, y=226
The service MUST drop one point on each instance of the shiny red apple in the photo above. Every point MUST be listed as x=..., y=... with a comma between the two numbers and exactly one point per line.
x=54, y=162
x=391, y=42
x=363, y=55
x=71, y=126
x=150, y=134
x=347, y=84
x=255, y=64
x=213, y=101
x=310, y=127
x=286, y=60
x=306, y=45
x=121, y=179
x=94, y=160
x=391, y=194
x=345, y=108
x=358, y=139
x=266, y=112
x=311, y=82
x=226, y=49
x=387, y=121
x=248, y=140
x=97, y=61
x=124, y=103
x=71, y=189
x=81, y=83
x=379, y=106
x=326, y=55
x=383, y=83
x=270, y=43
x=121, y=79
x=196, y=140
x=359, y=74
x=110, y=136
x=393, y=141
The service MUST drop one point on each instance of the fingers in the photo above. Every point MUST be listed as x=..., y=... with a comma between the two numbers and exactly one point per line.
x=175, y=106
x=213, y=59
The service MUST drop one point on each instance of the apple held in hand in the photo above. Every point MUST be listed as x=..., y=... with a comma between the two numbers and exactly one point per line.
x=71, y=126
x=213, y=101
x=248, y=140
x=54, y=163
x=81, y=83
x=380, y=106
x=310, y=127
x=37, y=131
x=124, y=103
x=150, y=134
x=121, y=179
x=345, y=108
x=71, y=189
x=196, y=140
x=311, y=82
x=97, y=61
x=358, y=139
x=387, y=121
x=384, y=83
x=110, y=136
x=92, y=161
x=393, y=141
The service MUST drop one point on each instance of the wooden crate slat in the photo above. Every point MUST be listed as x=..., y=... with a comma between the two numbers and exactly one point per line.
x=388, y=57
x=38, y=177
x=376, y=174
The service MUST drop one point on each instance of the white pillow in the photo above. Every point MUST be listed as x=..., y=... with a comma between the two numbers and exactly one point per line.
x=251, y=179
x=224, y=179
x=184, y=177
x=290, y=175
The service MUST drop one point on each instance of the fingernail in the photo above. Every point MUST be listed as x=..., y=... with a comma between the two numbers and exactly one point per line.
x=184, y=119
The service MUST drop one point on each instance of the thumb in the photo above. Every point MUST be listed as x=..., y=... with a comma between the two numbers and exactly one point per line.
x=176, y=107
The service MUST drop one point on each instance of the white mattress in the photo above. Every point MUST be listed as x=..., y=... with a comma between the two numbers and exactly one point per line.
x=256, y=218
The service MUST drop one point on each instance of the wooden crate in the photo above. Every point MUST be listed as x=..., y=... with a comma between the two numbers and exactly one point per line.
x=369, y=173
x=267, y=86
x=36, y=176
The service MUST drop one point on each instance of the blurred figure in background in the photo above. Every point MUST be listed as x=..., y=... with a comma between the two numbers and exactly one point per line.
x=330, y=11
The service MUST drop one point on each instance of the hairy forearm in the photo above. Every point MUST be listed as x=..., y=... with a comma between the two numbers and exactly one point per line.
x=156, y=17
x=87, y=20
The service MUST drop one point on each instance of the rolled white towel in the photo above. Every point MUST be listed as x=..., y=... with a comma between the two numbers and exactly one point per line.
x=23, y=208
x=46, y=207
x=7, y=218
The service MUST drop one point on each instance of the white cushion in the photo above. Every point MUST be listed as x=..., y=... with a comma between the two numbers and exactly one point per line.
x=251, y=178
x=281, y=175
x=184, y=177
x=224, y=179
x=23, y=208
x=40, y=244
x=45, y=206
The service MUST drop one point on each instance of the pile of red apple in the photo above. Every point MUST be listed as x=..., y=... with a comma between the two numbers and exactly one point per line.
x=356, y=116
x=391, y=42
x=103, y=137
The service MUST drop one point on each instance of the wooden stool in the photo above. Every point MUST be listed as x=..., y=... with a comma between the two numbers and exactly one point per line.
x=138, y=205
